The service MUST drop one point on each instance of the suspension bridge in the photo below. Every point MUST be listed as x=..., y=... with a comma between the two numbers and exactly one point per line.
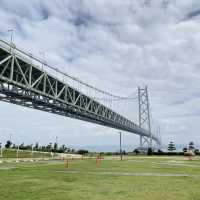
x=29, y=81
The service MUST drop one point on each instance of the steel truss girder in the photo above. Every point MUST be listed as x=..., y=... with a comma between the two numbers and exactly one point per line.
x=23, y=83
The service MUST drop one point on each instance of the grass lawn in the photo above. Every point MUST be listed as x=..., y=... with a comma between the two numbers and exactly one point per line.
x=139, y=178
x=12, y=153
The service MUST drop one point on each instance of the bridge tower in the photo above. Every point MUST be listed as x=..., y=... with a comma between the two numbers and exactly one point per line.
x=144, y=116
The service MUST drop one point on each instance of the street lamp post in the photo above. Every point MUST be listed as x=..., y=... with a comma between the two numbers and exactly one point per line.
x=1, y=150
x=120, y=144
x=11, y=31
x=11, y=35
x=42, y=53
x=32, y=151
x=56, y=139
x=10, y=137
x=18, y=153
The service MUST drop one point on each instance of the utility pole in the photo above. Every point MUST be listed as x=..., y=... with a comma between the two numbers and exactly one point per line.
x=57, y=140
x=42, y=53
x=32, y=150
x=1, y=150
x=120, y=144
x=10, y=137
x=159, y=137
x=11, y=31
x=18, y=153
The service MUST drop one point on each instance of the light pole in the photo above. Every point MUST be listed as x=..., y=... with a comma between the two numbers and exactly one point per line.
x=11, y=35
x=1, y=150
x=11, y=31
x=18, y=153
x=56, y=139
x=120, y=144
x=32, y=151
x=42, y=53
x=10, y=137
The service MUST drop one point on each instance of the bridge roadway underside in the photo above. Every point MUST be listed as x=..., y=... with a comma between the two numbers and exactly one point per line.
x=23, y=83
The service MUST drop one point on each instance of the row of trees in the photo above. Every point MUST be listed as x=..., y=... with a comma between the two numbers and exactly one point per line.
x=171, y=150
x=191, y=147
x=48, y=148
x=53, y=147
x=45, y=148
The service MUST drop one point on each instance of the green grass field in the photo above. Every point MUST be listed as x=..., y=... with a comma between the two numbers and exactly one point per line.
x=12, y=153
x=138, y=178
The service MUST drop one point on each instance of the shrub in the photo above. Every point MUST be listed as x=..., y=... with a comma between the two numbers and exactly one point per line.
x=82, y=151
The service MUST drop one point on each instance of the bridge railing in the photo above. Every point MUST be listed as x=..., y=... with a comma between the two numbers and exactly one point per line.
x=44, y=65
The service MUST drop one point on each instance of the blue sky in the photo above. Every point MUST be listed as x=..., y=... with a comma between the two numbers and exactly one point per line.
x=116, y=46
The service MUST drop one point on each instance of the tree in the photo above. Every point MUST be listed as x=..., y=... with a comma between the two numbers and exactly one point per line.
x=68, y=150
x=8, y=144
x=72, y=150
x=21, y=146
x=191, y=146
x=55, y=146
x=43, y=148
x=184, y=150
x=62, y=149
x=160, y=152
x=36, y=147
x=171, y=147
x=136, y=151
x=49, y=147
x=82, y=151
x=196, y=151
x=150, y=152
x=124, y=152
x=28, y=147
